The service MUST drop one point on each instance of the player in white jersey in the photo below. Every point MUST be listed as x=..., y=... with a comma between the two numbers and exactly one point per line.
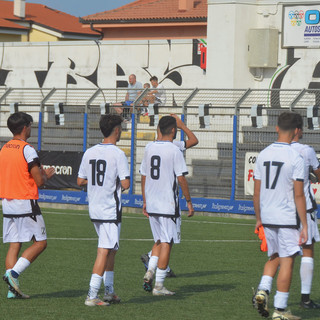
x=306, y=267
x=163, y=168
x=278, y=196
x=191, y=141
x=104, y=169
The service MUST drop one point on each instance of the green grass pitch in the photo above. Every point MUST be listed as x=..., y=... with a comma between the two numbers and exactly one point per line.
x=217, y=264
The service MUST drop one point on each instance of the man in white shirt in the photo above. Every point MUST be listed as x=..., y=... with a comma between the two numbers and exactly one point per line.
x=163, y=168
x=278, y=196
x=158, y=91
x=104, y=169
x=306, y=267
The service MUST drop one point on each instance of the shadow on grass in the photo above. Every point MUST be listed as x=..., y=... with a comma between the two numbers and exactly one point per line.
x=205, y=273
x=183, y=292
x=61, y=294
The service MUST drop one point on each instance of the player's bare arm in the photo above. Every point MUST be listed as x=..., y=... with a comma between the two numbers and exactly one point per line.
x=300, y=201
x=41, y=175
x=192, y=139
x=81, y=182
x=256, y=202
x=185, y=190
x=317, y=173
x=143, y=183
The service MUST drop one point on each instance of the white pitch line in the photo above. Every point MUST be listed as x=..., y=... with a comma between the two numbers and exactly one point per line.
x=144, y=240
x=143, y=218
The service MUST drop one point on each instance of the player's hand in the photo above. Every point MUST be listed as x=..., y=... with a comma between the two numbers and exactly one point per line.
x=179, y=121
x=258, y=224
x=144, y=210
x=49, y=172
x=303, y=236
x=190, y=208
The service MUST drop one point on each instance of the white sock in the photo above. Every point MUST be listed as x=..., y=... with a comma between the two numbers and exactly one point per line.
x=265, y=283
x=281, y=300
x=153, y=262
x=108, y=277
x=306, y=274
x=95, y=284
x=21, y=265
x=160, y=276
x=149, y=254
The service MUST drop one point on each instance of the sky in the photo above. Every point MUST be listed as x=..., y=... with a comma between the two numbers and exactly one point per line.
x=80, y=8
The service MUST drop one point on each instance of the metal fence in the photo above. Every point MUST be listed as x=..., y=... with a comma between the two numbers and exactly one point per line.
x=228, y=123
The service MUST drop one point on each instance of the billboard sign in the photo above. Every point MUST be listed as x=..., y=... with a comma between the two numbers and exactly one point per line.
x=301, y=26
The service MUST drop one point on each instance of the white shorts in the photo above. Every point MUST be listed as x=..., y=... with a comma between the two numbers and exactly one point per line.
x=313, y=230
x=109, y=234
x=284, y=241
x=23, y=229
x=165, y=229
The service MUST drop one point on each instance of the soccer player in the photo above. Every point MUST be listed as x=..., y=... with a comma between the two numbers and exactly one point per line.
x=162, y=168
x=306, y=267
x=278, y=196
x=182, y=145
x=104, y=168
x=21, y=175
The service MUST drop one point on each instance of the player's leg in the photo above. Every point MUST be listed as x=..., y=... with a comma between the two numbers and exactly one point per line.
x=24, y=229
x=153, y=262
x=152, y=266
x=288, y=249
x=170, y=233
x=283, y=287
x=99, y=267
x=161, y=273
x=306, y=275
x=307, y=263
x=261, y=296
x=108, y=279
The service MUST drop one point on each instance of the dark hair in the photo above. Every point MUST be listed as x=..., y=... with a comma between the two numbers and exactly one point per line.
x=108, y=122
x=166, y=124
x=153, y=78
x=17, y=121
x=287, y=121
x=299, y=120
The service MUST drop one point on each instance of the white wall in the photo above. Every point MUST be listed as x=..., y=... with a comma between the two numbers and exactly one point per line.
x=90, y=64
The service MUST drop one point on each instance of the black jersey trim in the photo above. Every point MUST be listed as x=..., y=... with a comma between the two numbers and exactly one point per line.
x=105, y=221
x=280, y=226
x=302, y=180
x=33, y=163
x=164, y=215
x=35, y=211
x=21, y=215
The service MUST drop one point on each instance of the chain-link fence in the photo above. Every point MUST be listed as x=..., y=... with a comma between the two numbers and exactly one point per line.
x=229, y=124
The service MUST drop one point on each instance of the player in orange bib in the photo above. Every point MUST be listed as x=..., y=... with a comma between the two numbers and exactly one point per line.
x=20, y=176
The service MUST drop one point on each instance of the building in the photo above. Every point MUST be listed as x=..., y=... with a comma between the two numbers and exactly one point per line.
x=149, y=20
x=21, y=21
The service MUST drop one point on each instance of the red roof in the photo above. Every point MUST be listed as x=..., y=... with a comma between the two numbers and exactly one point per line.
x=43, y=16
x=10, y=25
x=151, y=10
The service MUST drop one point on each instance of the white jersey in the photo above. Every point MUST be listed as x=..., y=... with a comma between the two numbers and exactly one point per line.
x=104, y=165
x=180, y=144
x=311, y=161
x=162, y=163
x=18, y=207
x=277, y=167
